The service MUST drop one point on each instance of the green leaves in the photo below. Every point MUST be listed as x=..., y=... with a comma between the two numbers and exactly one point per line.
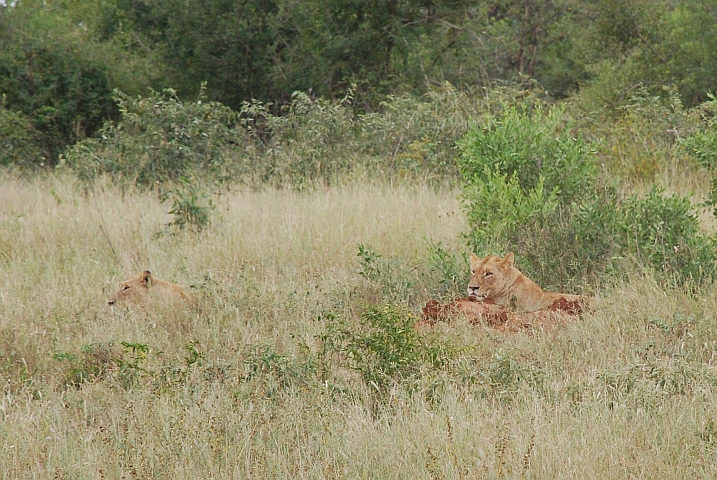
x=530, y=186
x=158, y=139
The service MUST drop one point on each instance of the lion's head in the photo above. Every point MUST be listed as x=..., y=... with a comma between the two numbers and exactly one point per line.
x=491, y=276
x=132, y=290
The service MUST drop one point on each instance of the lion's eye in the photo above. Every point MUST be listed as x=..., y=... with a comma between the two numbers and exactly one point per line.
x=126, y=287
x=488, y=274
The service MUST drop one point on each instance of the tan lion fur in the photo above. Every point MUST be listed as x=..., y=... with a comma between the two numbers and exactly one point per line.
x=497, y=280
x=145, y=288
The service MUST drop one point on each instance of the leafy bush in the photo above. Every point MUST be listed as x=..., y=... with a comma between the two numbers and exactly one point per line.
x=384, y=348
x=539, y=150
x=52, y=75
x=158, y=139
x=530, y=185
x=703, y=145
x=523, y=176
x=311, y=140
x=639, y=135
x=664, y=233
x=161, y=139
x=19, y=144
x=191, y=206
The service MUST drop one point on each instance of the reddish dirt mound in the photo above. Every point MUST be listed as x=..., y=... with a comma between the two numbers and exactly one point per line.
x=568, y=307
x=501, y=318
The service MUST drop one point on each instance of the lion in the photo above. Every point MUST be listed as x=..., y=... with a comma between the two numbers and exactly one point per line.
x=497, y=280
x=145, y=288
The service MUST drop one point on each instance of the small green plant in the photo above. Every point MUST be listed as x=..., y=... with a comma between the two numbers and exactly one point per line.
x=370, y=269
x=388, y=277
x=384, y=348
x=448, y=271
x=194, y=356
x=131, y=370
x=191, y=206
x=93, y=363
x=271, y=372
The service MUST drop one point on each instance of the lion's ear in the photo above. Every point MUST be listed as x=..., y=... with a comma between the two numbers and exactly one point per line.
x=145, y=277
x=509, y=259
x=474, y=259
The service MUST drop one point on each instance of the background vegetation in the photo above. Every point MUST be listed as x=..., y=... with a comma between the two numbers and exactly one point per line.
x=61, y=60
x=314, y=172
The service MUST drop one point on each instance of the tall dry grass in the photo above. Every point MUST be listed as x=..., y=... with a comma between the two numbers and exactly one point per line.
x=235, y=388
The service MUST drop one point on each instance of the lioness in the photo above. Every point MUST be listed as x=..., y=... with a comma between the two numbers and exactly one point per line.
x=496, y=279
x=144, y=288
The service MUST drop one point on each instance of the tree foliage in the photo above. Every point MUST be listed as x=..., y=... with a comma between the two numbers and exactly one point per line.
x=61, y=59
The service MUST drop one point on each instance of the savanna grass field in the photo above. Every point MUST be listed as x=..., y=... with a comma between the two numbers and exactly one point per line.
x=309, y=252
x=245, y=385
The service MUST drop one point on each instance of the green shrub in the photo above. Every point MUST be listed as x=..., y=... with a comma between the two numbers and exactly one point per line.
x=524, y=176
x=638, y=137
x=537, y=149
x=19, y=144
x=703, y=145
x=314, y=140
x=311, y=140
x=530, y=186
x=384, y=347
x=664, y=233
x=158, y=139
x=191, y=206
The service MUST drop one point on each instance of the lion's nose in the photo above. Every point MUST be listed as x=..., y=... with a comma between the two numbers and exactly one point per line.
x=110, y=303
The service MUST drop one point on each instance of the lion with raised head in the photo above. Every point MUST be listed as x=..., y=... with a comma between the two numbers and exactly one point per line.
x=145, y=288
x=495, y=279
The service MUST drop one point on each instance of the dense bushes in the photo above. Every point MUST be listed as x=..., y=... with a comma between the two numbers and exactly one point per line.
x=159, y=139
x=530, y=185
x=61, y=61
x=18, y=140
x=53, y=79
x=703, y=145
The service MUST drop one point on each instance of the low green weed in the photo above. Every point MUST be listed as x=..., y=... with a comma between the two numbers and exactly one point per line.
x=267, y=371
x=191, y=205
x=93, y=363
x=384, y=348
x=446, y=273
x=390, y=280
